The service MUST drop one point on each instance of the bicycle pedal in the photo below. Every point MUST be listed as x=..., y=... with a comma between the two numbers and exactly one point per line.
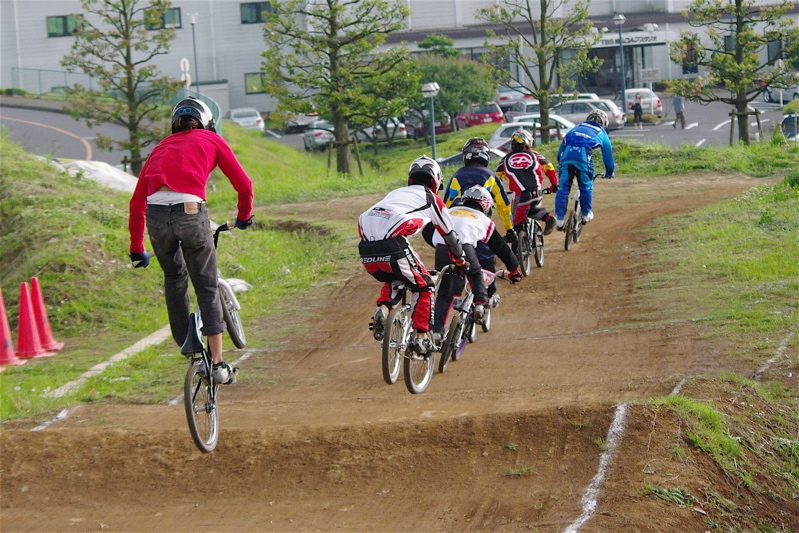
x=377, y=335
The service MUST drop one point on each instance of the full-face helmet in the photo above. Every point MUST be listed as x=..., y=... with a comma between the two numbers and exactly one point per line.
x=597, y=116
x=476, y=150
x=478, y=197
x=521, y=139
x=425, y=167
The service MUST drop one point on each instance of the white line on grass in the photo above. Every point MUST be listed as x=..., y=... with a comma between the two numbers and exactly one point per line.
x=780, y=351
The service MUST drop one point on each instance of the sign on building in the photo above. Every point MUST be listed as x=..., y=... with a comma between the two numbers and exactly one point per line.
x=648, y=75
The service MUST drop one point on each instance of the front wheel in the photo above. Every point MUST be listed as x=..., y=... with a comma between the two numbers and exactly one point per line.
x=231, y=316
x=199, y=398
x=418, y=371
x=538, y=244
x=524, y=248
x=486, y=325
x=395, y=342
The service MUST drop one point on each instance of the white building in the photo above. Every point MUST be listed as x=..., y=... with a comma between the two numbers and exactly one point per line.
x=227, y=36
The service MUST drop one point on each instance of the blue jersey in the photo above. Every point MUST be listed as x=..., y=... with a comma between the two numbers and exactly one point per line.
x=579, y=144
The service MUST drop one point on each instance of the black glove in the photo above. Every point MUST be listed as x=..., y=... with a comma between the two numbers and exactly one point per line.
x=510, y=237
x=515, y=276
x=140, y=260
x=553, y=189
x=243, y=224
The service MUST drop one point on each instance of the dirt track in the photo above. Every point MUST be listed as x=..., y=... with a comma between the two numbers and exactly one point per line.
x=508, y=439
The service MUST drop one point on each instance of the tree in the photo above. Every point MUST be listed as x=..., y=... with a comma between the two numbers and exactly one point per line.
x=462, y=82
x=116, y=49
x=548, y=30
x=440, y=45
x=322, y=54
x=736, y=35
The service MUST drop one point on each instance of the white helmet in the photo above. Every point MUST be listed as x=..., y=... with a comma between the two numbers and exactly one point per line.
x=426, y=167
x=480, y=196
x=597, y=116
x=197, y=109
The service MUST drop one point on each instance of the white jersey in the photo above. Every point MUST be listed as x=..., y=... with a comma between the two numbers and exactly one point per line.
x=403, y=213
x=471, y=226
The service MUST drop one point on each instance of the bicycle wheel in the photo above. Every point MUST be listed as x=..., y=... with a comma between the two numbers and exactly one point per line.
x=231, y=316
x=525, y=250
x=569, y=230
x=418, y=371
x=395, y=342
x=578, y=227
x=450, y=342
x=471, y=329
x=201, y=412
x=486, y=325
x=538, y=245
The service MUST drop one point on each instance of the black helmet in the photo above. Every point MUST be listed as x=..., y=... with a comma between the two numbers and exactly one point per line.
x=476, y=150
x=196, y=109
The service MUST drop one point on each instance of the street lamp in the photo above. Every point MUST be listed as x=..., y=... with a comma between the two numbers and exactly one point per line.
x=430, y=90
x=194, y=43
x=619, y=19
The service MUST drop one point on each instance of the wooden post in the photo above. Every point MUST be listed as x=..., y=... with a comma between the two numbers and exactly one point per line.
x=330, y=146
x=732, y=126
x=759, y=125
x=357, y=155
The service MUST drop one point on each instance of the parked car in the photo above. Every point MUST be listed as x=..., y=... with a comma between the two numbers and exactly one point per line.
x=507, y=96
x=318, y=134
x=577, y=111
x=494, y=154
x=247, y=117
x=417, y=125
x=396, y=130
x=649, y=101
x=477, y=114
x=790, y=127
x=299, y=123
x=503, y=133
x=522, y=107
x=555, y=121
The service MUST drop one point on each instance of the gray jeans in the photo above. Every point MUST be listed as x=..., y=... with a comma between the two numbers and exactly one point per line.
x=184, y=246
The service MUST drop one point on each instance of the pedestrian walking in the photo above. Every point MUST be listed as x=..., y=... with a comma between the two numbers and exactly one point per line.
x=679, y=110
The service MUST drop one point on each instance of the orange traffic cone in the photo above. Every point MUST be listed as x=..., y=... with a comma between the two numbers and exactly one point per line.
x=7, y=355
x=29, y=344
x=42, y=323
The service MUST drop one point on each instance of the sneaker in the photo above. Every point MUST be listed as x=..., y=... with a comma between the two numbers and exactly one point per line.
x=494, y=301
x=378, y=324
x=550, y=225
x=588, y=218
x=423, y=346
x=224, y=374
x=479, y=313
x=438, y=337
x=559, y=224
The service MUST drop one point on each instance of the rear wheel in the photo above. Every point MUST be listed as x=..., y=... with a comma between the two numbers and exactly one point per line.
x=419, y=371
x=486, y=325
x=395, y=342
x=231, y=316
x=578, y=227
x=201, y=412
x=569, y=230
x=538, y=244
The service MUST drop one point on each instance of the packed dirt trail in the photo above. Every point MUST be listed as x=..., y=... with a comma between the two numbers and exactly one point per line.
x=313, y=439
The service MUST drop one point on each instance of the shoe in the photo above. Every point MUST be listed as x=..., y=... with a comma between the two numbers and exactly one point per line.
x=559, y=224
x=438, y=337
x=224, y=374
x=378, y=324
x=674, y=125
x=550, y=225
x=423, y=346
x=494, y=300
x=588, y=218
x=479, y=313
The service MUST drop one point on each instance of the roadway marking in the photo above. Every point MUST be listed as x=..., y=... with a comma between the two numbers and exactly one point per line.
x=274, y=134
x=700, y=143
x=65, y=132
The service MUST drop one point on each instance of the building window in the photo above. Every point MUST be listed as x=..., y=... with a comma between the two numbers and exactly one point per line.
x=63, y=26
x=170, y=19
x=689, y=65
x=254, y=83
x=253, y=12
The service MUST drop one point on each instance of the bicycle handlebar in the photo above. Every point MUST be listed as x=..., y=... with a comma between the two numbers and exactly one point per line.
x=219, y=229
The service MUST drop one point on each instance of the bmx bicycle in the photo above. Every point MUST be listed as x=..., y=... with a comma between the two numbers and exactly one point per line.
x=574, y=220
x=398, y=348
x=200, y=390
x=529, y=241
x=463, y=326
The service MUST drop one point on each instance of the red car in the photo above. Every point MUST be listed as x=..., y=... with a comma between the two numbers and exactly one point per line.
x=478, y=114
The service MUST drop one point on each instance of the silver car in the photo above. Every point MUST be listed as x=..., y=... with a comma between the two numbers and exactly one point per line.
x=577, y=111
x=318, y=134
x=247, y=117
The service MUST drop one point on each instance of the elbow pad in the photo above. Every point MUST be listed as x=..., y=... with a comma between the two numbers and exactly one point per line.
x=453, y=244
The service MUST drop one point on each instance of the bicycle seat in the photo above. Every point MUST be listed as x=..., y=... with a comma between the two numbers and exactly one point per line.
x=193, y=343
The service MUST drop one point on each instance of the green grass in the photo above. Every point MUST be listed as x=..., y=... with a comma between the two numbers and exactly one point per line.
x=72, y=234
